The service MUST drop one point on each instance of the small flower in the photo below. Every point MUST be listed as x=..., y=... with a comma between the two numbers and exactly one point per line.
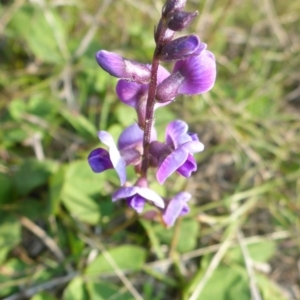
x=191, y=76
x=176, y=153
x=176, y=207
x=137, y=195
x=120, y=67
x=127, y=153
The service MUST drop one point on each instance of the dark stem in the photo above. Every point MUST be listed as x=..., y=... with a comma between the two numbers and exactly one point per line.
x=149, y=118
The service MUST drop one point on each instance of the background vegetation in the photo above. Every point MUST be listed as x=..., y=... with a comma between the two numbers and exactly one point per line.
x=60, y=235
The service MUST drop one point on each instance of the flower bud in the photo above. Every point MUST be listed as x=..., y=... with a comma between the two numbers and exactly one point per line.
x=167, y=36
x=168, y=89
x=179, y=20
x=181, y=48
x=120, y=67
x=172, y=5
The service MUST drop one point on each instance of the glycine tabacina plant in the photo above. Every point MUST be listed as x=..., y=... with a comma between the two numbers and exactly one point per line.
x=146, y=88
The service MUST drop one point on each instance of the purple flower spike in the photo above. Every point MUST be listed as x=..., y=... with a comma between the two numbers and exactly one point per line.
x=137, y=195
x=181, y=146
x=176, y=207
x=120, y=67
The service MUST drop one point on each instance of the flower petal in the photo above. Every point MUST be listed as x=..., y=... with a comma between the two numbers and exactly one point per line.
x=176, y=133
x=131, y=137
x=99, y=160
x=124, y=192
x=152, y=196
x=137, y=203
x=172, y=162
x=114, y=154
x=176, y=207
x=131, y=93
x=188, y=167
x=199, y=72
x=120, y=67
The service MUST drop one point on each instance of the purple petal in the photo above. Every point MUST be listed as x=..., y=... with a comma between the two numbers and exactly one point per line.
x=126, y=192
x=114, y=154
x=172, y=162
x=199, y=72
x=111, y=63
x=131, y=156
x=192, y=147
x=99, y=160
x=137, y=203
x=176, y=133
x=162, y=74
x=152, y=196
x=188, y=167
x=131, y=137
x=131, y=93
x=176, y=207
x=120, y=67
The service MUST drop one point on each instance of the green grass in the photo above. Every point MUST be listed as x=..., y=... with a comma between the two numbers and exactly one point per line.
x=60, y=235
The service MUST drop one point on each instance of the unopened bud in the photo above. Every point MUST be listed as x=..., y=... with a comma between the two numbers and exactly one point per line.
x=181, y=48
x=179, y=20
x=168, y=89
x=167, y=35
x=172, y=5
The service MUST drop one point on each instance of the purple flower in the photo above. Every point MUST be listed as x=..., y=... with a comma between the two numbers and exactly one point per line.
x=120, y=67
x=137, y=195
x=191, y=76
x=128, y=151
x=135, y=94
x=176, y=153
x=176, y=207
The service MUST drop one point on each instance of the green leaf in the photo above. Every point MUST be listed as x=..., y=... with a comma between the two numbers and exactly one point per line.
x=56, y=184
x=17, y=108
x=33, y=173
x=104, y=291
x=80, y=177
x=126, y=115
x=127, y=257
x=10, y=231
x=260, y=252
x=81, y=206
x=6, y=188
x=44, y=296
x=269, y=289
x=81, y=124
x=188, y=233
x=75, y=290
x=226, y=284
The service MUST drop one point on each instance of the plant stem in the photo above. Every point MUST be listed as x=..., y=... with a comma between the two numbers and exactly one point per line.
x=149, y=118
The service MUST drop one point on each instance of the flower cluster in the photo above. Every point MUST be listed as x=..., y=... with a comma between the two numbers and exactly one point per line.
x=146, y=88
